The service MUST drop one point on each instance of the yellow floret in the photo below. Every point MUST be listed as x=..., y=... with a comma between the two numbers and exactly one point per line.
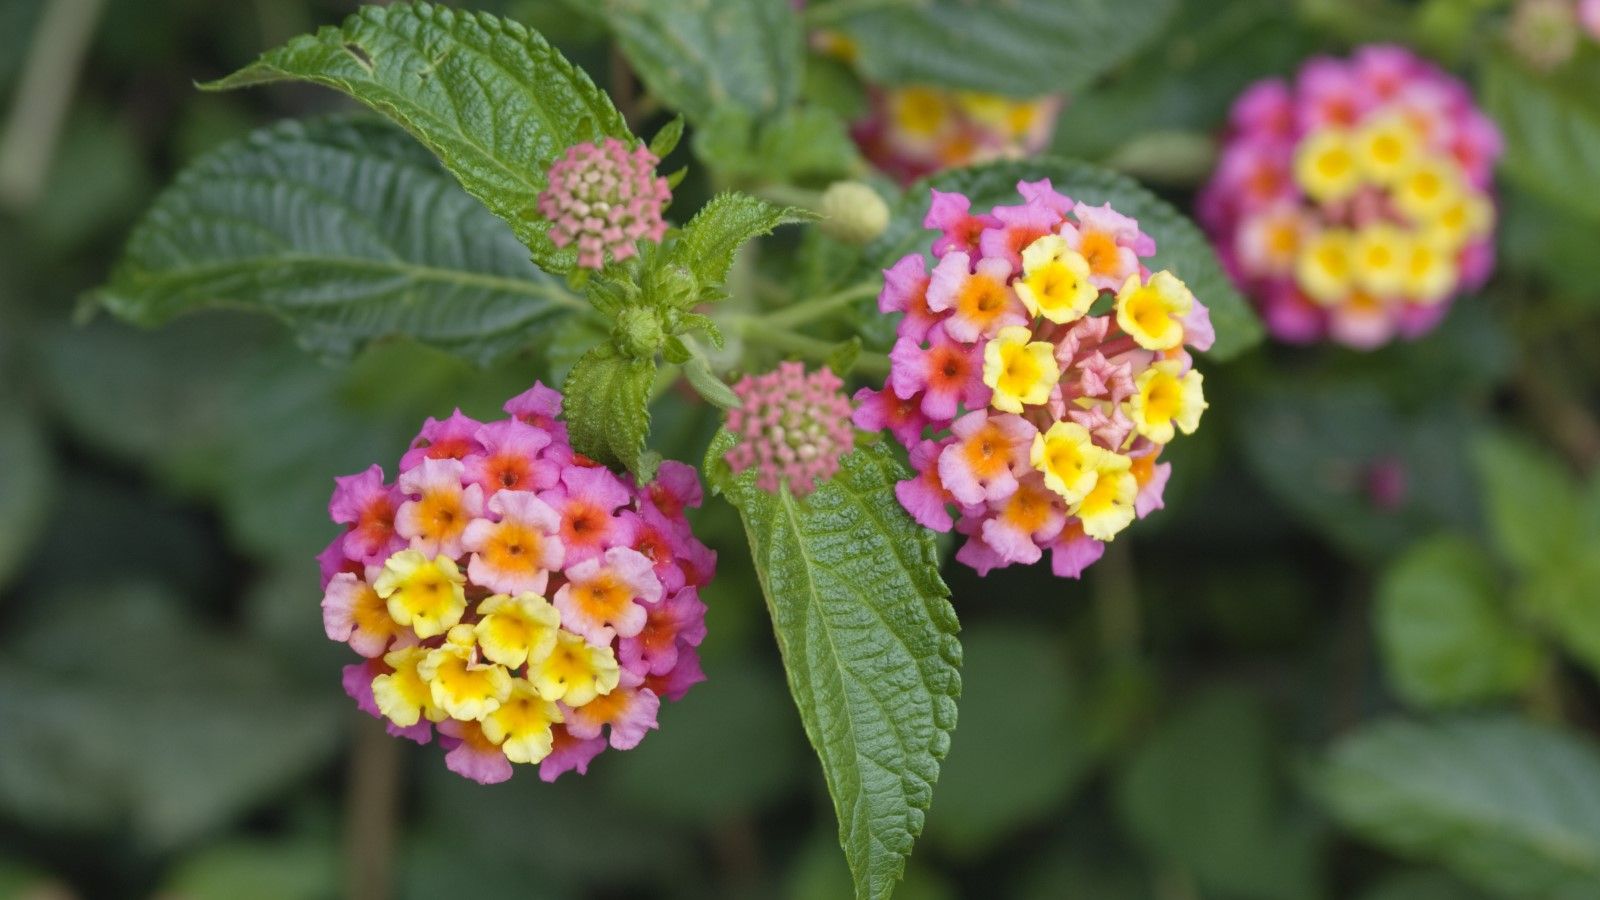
x=1108, y=506
x=1055, y=280
x=1386, y=148
x=403, y=696
x=1325, y=267
x=515, y=630
x=521, y=726
x=1377, y=259
x=1166, y=399
x=461, y=685
x=1325, y=165
x=1152, y=312
x=426, y=595
x=1019, y=369
x=1429, y=271
x=1068, y=458
x=576, y=672
x=1429, y=188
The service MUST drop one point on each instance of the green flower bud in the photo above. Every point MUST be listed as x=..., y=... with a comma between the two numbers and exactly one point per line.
x=672, y=287
x=853, y=212
x=638, y=332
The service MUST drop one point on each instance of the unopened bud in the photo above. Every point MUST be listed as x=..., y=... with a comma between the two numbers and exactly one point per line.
x=638, y=332
x=853, y=212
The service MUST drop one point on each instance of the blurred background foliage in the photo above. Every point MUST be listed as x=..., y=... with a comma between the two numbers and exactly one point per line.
x=1355, y=657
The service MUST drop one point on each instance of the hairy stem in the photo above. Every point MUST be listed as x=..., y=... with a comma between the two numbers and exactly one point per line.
x=762, y=332
x=44, y=95
x=818, y=307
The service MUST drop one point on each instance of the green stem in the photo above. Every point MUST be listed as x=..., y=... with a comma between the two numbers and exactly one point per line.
x=1116, y=598
x=44, y=95
x=817, y=307
x=788, y=195
x=765, y=333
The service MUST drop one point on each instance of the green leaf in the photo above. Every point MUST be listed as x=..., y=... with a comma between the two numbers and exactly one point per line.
x=706, y=383
x=1446, y=636
x=1326, y=450
x=608, y=407
x=666, y=140
x=300, y=867
x=1565, y=601
x=495, y=102
x=1531, y=502
x=1180, y=246
x=1420, y=884
x=801, y=145
x=1203, y=793
x=722, y=226
x=1551, y=125
x=868, y=640
x=699, y=56
x=347, y=230
x=1510, y=806
x=1020, y=48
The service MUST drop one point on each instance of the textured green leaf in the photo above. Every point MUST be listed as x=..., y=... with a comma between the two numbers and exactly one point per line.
x=1446, y=635
x=1510, y=806
x=1180, y=246
x=1531, y=502
x=868, y=640
x=1021, y=47
x=722, y=226
x=608, y=407
x=1551, y=125
x=347, y=230
x=699, y=56
x=493, y=100
x=801, y=145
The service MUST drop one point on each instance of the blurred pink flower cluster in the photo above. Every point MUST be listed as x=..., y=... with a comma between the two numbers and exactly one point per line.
x=914, y=131
x=1356, y=202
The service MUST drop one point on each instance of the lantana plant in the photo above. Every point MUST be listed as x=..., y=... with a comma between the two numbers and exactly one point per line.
x=526, y=590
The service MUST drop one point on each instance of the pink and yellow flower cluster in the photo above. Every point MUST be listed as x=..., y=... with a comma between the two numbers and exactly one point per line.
x=915, y=131
x=1040, y=371
x=1355, y=203
x=523, y=601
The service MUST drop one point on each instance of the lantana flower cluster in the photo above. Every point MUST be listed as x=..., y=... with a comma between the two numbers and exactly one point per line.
x=605, y=198
x=792, y=428
x=520, y=600
x=1039, y=373
x=1355, y=203
x=914, y=131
